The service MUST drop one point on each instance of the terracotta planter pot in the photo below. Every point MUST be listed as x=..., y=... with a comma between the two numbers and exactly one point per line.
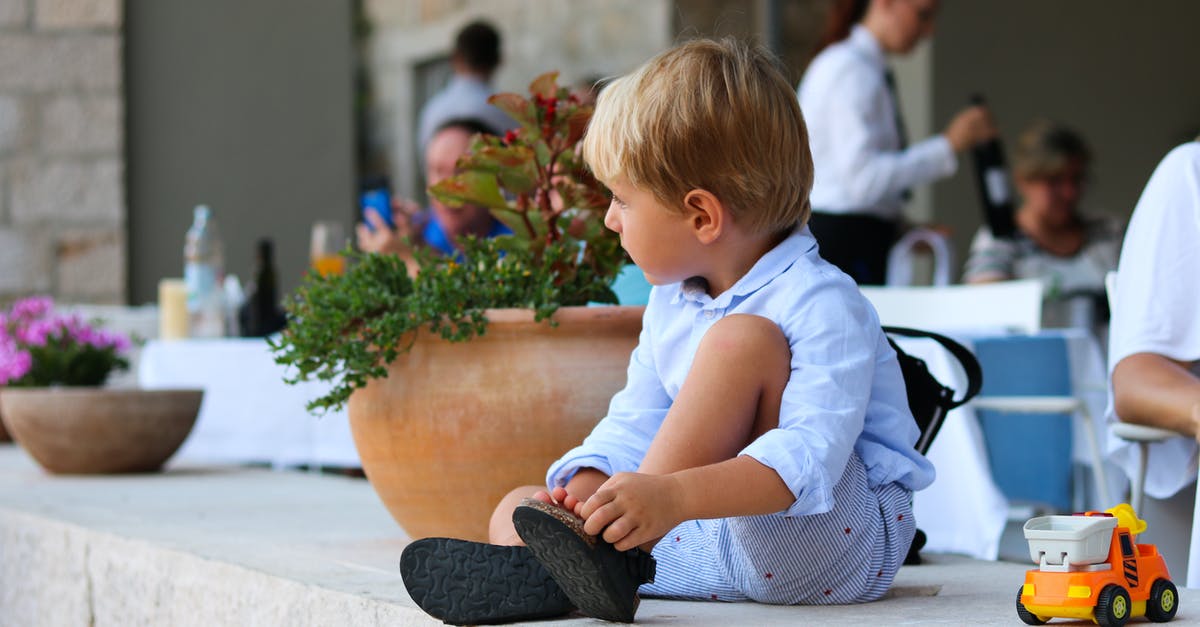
x=4, y=436
x=455, y=426
x=99, y=430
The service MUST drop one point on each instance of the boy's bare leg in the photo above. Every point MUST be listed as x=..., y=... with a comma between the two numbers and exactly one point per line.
x=500, y=527
x=730, y=397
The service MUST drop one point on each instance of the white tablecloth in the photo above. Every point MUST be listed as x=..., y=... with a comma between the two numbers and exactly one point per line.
x=963, y=511
x=249, y=414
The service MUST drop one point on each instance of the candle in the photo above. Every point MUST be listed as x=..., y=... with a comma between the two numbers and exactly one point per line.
x=172, y=309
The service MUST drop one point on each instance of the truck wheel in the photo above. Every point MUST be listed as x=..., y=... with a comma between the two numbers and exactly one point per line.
x=1163, y=601
x=1025, y=615
x=1112, y=606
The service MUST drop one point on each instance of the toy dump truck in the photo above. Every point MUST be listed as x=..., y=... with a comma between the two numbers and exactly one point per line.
x=1089, y=567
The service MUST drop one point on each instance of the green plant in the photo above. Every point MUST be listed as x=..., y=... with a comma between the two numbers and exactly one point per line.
x=346, y=329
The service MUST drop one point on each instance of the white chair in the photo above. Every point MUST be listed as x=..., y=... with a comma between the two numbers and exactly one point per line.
x=904, y=255
x=1014, y=306
x=1141, y=435
x=1006, y=305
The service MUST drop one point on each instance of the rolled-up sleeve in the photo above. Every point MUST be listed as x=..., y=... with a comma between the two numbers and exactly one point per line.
x=621, y=439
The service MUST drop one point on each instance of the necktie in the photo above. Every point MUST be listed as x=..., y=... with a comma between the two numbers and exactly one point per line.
x=890, y=79
x=901, y=131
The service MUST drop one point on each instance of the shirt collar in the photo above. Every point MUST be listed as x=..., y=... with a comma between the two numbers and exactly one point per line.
x=774, y=263
x=863, y=42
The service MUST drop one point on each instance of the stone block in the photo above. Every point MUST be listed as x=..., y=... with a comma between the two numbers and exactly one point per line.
x=14, y=12
x=25, y=259
x=43, y=570
x=90, y=266
x=14, y=125
x=77, y=14
x=67, y=191
x=60, y=62
x=79, y=125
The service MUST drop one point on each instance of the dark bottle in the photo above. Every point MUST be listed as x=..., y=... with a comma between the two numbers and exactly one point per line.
x=995, y=187
x=261, y=314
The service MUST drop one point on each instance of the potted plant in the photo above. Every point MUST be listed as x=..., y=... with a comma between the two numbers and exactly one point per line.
x=444, y=428
x=52, y=368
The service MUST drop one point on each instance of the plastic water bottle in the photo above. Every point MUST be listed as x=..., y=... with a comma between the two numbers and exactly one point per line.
x=203, y=273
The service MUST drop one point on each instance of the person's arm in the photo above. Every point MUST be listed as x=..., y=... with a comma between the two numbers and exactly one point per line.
x=635, y=509
x=868, y=170
x=1151, y=389
x=620, y=440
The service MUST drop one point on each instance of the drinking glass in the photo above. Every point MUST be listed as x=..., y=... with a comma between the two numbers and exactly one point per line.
x=328, y=240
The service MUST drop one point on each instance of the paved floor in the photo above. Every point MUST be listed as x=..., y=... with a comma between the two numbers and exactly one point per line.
x=210, y=546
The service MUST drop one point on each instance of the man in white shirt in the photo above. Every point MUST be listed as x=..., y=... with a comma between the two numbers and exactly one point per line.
x=475, y=59
x=1154, y=339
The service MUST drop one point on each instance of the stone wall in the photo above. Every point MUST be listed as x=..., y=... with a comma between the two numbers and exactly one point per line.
x=579, y=39
x=62, y=199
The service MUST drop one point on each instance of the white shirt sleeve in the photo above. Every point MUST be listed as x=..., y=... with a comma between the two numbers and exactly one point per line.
x=860, y=167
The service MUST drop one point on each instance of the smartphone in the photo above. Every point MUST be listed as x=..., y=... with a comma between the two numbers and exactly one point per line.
x=376, y=196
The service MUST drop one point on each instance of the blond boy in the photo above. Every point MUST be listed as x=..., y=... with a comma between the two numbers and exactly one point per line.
x=762, y=448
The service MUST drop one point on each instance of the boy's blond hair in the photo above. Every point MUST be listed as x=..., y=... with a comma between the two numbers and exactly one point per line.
x=712, y=115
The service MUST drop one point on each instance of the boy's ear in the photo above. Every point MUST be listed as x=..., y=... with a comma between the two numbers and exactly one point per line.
x=706, y=214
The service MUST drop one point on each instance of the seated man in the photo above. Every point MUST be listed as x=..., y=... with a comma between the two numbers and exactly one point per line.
x=440, y=226
x=1154, y=343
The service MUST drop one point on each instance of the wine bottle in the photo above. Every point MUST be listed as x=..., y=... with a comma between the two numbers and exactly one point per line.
x=260, y=315
x=995, y=188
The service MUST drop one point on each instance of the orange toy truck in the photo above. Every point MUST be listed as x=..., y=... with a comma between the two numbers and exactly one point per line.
x=1089, y=567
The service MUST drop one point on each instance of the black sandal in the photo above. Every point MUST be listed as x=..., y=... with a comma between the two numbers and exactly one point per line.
x=463, y=582
x=600, y=580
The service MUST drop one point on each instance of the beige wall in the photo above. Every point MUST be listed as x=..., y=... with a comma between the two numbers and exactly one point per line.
x=1122, y=73
x=62, y=195
x=576, y=37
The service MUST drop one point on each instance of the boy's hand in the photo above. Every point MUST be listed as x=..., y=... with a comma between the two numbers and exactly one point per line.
x=633, y=509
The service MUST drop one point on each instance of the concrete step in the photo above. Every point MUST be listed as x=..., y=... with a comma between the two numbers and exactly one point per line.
x=235, y=546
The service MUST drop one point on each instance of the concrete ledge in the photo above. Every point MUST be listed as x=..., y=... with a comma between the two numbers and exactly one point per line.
x=224, y=546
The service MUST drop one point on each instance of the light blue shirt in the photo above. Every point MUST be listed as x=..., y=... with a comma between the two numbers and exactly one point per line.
x=845, y=392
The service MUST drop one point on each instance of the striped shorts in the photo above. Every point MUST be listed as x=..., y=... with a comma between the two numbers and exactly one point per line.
x=847, y=555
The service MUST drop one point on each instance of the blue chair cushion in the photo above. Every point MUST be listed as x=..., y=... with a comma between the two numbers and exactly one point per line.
x=1030, y=454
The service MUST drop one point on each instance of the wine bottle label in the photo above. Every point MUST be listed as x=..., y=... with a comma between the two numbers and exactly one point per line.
x=996, y=182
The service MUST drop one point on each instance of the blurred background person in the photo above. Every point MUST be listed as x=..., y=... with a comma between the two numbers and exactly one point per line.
x=474, y=60
x=439, y=226
x=864, y=164
x=1069, y=250
x=1154, y=343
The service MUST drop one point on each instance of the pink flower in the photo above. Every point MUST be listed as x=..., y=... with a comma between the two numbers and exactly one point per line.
x=14, y=362
x=32, y=308
x=31, y=331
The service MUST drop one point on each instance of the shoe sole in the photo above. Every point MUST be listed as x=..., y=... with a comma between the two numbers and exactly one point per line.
x=461, y=582
x=595, y=576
